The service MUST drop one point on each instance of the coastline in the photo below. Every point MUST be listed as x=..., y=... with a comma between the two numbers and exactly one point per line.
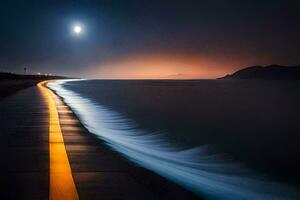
x=99, y=120
x=97, y=169
x=90, y=157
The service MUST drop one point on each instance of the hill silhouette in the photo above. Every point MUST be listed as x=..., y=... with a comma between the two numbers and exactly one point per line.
x=271, y=72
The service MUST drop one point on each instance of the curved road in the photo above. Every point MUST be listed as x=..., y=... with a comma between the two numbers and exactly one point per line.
x=47, y=154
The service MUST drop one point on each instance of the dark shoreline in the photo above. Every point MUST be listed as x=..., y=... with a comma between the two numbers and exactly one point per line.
x=9, y=87
x=10, y=83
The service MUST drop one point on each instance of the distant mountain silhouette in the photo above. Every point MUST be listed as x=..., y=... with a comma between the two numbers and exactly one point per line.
x=180, y=76
x=271, y=72
x=175, y=76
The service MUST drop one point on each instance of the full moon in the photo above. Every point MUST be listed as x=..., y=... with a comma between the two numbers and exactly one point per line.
x=77, y=29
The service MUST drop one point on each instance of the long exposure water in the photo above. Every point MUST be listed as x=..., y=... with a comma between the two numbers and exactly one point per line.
x=220, y=139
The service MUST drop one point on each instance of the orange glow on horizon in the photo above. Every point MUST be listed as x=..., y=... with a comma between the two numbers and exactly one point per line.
x=160, y=66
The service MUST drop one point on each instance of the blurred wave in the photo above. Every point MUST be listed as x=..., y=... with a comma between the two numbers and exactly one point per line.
x=208, y=175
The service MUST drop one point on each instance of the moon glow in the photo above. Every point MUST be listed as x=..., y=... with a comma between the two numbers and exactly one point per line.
x=77, y=29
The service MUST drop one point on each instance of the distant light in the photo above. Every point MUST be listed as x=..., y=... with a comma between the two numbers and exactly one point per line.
x=77, y=29
x=38, y=73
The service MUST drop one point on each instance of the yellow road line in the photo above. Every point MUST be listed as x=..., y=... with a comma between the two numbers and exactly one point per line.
x=62, y=185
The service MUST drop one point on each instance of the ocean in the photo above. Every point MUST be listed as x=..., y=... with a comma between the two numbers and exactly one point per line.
x=221, y=139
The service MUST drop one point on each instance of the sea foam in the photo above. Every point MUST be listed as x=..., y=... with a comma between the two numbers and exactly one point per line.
x=208, y=175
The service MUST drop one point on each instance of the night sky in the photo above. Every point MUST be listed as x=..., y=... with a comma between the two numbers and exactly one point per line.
x=148, y=39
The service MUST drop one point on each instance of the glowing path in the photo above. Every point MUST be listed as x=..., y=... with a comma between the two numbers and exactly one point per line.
x=62, y=185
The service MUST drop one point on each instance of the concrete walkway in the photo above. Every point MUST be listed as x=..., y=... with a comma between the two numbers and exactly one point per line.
x=97, y=171
x=24, y=138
